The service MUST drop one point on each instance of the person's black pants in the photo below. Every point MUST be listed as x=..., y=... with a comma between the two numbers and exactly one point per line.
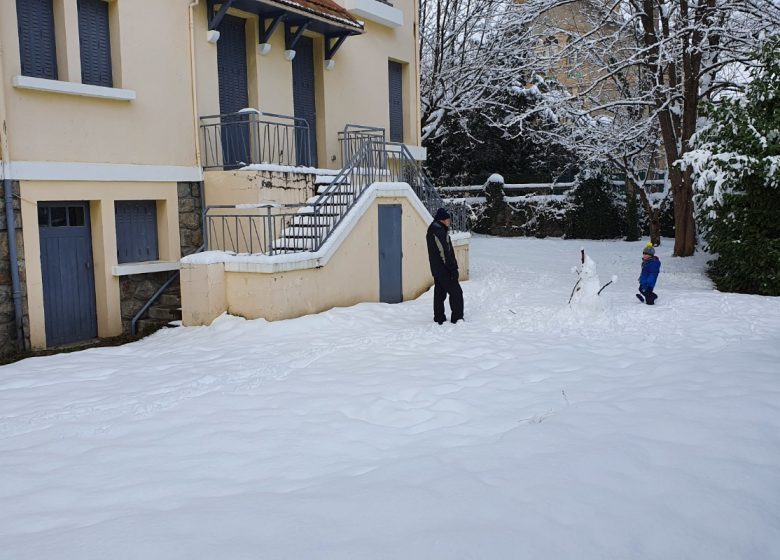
x=442, y=288
x=650, y=295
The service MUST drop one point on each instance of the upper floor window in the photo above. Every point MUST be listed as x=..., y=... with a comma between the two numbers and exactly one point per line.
x=37, y=46
x=95, y=43
x=396, y=96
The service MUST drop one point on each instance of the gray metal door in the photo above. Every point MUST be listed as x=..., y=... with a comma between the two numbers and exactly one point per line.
x=66, y=267
x=390, y=254
x=233, y=91
x=304, y=100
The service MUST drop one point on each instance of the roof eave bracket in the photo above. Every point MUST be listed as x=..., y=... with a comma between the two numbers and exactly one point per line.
x=217, y=18
x=291, y=37
x=333, y=43
x=267, y=30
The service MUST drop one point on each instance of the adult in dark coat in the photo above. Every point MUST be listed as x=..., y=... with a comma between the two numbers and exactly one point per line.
x=444, y=268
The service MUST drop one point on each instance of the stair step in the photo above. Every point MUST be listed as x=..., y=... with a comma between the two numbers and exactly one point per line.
x=328, y=179
x=311, y=221
x=321, y=200
x=148, y=326
x=168, y=300
x=294, y=244
x=338, y=189
x=164, y=313
x=301, y=232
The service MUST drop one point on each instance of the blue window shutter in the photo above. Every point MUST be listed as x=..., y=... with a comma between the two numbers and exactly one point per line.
x=395, y=81
x=304, y=99
x=95, y=43
x=136, y=231
x=37, y=47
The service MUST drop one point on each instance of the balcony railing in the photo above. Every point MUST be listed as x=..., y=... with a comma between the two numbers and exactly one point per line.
x=248, y=137
x=354, y=136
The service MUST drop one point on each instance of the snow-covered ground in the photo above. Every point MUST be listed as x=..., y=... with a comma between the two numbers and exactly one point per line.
x=531, y=431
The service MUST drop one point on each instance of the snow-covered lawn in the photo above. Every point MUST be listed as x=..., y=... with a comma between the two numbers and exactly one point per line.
x=530, y=431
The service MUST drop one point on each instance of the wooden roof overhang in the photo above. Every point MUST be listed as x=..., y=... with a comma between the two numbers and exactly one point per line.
x=325, y=17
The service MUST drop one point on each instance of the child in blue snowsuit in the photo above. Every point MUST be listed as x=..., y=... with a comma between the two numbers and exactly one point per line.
x=651, y=266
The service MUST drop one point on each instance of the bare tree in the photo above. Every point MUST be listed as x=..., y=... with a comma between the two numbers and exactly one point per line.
x=470, y=53
x=643, y=68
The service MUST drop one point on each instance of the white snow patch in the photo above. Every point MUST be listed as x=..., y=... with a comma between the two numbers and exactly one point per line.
x=371, y=432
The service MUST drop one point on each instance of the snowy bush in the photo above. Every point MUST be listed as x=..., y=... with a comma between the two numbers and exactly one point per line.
x=736, y=171
x=596, y=211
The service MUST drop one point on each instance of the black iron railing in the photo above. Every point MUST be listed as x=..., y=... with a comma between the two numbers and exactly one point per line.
x=250, y=137
x=352, y=138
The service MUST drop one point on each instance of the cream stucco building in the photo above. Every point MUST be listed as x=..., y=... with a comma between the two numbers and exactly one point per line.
x=124, y=121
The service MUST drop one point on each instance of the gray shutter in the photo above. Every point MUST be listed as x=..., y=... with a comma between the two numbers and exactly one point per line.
x=395, y=81
x=136, y=231
x=233, y=92
x=304, y=100
x=37, y=47
x=95, y=42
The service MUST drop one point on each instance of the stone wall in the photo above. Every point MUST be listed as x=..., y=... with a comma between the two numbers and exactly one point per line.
x=8, y=343
x=190, y=217
x=136, y=289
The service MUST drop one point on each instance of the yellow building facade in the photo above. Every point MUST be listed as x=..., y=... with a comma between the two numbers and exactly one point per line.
x=105, y=135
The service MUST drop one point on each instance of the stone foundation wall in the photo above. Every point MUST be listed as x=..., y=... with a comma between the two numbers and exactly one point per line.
x=8, y=344
x=136, y=289
x=190, y=217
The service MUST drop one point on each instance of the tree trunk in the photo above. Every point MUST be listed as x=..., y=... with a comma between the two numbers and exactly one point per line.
x=653, y=217
x=684, y=227
x=632, y=216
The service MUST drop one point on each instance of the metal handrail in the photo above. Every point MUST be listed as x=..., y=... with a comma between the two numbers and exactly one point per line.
x=352, y=137
x=413, y=173
x=250, y=136
x=156, y=295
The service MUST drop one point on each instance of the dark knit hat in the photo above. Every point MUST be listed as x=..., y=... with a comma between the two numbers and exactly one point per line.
x=441, y=214
x=649, y=250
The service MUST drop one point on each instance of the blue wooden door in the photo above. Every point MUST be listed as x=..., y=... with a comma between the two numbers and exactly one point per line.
x=66, y=267
x=304, y=101
x=390, y=254
x=233, y=91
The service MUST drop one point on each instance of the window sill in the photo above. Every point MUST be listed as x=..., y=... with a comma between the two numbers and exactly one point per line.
x=72, y=88
x=147, y=267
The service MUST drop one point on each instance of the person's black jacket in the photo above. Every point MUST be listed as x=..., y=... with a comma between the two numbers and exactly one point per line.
x=441, y=255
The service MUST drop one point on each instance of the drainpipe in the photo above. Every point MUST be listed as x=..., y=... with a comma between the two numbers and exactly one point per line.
x=16, y=284
x=194, y=84
x=195, y=115
x=5, y=173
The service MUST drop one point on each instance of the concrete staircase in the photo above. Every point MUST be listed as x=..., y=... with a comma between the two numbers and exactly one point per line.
x=332, y=200
x=320, y=214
